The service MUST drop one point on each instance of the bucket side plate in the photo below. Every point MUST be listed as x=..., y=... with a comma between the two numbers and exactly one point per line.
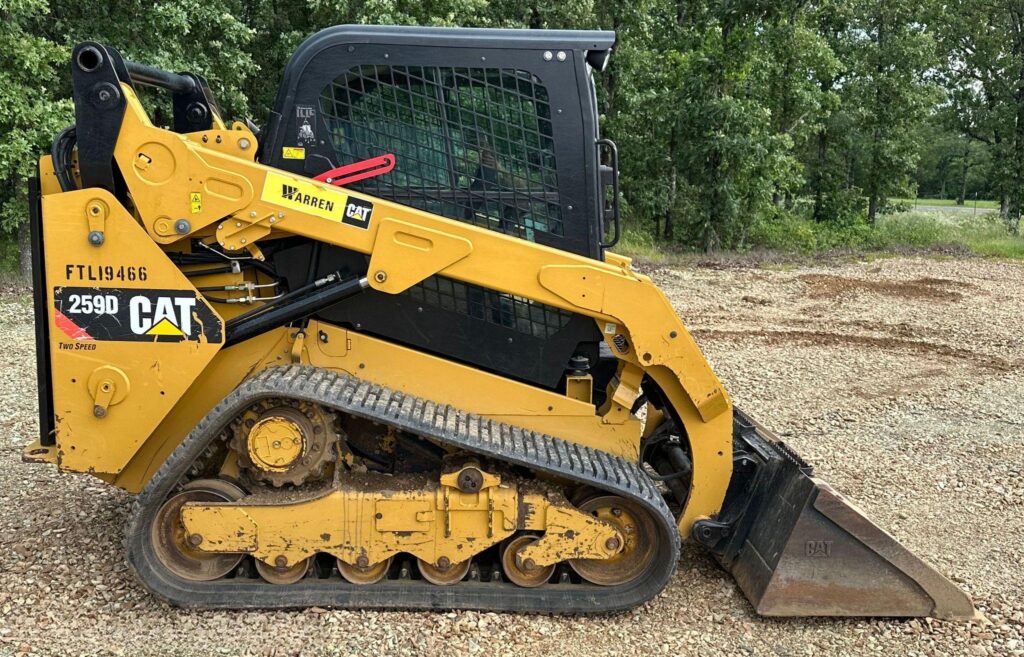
x=796, y=547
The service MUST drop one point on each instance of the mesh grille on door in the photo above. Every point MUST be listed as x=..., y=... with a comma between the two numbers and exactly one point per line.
x=471, y=144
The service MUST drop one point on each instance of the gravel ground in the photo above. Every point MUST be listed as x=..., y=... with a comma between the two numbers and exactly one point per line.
x=899, y=379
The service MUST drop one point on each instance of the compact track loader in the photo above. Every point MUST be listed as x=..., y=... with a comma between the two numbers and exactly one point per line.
x=377, y=354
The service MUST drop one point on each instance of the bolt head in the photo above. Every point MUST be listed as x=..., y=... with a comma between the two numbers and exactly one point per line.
x=95, y=237
x=243, y=143
x=612, y=543
x=195, y=540
x=529, y=565
x=281, y=561
x=444, y=563
x=363, y=562
x=380, y=276
x=182, y=226
x=548, y=55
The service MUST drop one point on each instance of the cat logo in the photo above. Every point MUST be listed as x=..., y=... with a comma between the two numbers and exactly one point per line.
x=357, y=213
x=171, y=316
x=819, y=548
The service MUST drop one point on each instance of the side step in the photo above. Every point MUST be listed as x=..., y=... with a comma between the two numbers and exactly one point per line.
x=798, y=548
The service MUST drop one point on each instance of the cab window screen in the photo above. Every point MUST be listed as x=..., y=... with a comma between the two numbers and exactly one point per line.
x=471, y=144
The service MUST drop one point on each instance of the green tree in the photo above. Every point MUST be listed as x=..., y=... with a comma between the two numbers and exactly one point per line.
x=711, y=158
x=982, y=43
x=30, y=109
x=205, y=36
x=891, y=52
x=797, y=58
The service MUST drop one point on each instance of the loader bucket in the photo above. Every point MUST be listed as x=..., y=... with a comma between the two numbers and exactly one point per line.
x=796, y=547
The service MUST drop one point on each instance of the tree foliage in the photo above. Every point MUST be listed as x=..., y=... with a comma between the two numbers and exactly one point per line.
x=729, y=113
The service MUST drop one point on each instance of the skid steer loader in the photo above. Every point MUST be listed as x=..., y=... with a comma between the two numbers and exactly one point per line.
x=377, y=354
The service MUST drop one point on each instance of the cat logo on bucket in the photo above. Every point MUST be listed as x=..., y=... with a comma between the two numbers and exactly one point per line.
x=134, y=315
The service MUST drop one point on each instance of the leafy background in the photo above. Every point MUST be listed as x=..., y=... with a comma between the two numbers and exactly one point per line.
x=741, y=122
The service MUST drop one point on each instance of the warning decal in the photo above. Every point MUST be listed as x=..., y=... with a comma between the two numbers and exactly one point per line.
x=132, y=315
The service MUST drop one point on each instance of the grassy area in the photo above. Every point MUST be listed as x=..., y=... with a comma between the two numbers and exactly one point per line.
x=944, y=202
x=938, y=232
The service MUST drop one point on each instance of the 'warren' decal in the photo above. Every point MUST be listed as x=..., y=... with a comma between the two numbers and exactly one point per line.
x=316, y=200
x=132, y=315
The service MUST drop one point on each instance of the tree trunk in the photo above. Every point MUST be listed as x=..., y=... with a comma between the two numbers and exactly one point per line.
x=965, y=166
x=818, y=181
x=1017, y=198
x=25, y=253
x=875, y=180
x=673, y=186
x=670, y=224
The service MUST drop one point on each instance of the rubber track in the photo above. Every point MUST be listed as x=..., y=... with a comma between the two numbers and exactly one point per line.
x=444, y=424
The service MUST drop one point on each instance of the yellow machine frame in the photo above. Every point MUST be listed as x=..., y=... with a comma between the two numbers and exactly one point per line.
x=210, y=179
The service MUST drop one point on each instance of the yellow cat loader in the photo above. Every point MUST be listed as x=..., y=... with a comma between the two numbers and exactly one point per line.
x=377, y=354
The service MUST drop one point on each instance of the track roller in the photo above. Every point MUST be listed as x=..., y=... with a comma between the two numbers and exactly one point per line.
x=444, y=573
x=178, y=552
x=283, y=574
x=635, y=557
x=525, y=574
x=362, y=575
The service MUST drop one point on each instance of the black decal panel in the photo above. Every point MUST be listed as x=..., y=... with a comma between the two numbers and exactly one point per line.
x=133, y=315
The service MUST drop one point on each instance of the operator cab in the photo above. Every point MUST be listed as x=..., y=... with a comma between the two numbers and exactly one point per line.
x=496, y=128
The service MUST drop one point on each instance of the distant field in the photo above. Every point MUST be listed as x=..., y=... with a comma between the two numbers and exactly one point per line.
x=945, y=202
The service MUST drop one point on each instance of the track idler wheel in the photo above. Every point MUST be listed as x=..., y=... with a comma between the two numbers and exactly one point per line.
x=362, y=575
x=443, y=573
x=633, y=558
x=525, y=574
x=179, y=552
x=283, y=574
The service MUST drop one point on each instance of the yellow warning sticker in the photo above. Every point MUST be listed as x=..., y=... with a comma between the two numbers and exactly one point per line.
x=304, y=196
x=293, y=153
x=195, y=200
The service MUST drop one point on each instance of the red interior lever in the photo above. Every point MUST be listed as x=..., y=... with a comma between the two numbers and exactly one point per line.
x=356, y=171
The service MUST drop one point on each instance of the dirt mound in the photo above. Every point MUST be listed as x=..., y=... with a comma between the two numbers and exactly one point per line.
x=826, y=339
x=934, y=289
